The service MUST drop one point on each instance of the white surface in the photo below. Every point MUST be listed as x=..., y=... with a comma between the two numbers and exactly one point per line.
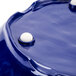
x=73, y=2
x=9, y=7
x=26, y=37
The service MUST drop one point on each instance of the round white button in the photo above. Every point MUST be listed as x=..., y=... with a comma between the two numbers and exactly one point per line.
x=73, y=2
x=26, y=37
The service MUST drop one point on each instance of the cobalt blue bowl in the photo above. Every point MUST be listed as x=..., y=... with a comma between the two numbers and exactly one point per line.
x=53, y=26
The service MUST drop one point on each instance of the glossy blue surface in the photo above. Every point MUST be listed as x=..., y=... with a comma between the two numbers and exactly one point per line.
x=54, y=28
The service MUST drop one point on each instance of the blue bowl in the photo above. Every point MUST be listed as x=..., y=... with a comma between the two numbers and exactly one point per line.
x=53, y=26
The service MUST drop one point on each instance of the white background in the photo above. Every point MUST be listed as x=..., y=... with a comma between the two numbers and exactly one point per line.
x=9, y=7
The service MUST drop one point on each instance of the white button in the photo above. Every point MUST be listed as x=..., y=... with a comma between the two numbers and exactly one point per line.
x=26, y=37
x=73, y=2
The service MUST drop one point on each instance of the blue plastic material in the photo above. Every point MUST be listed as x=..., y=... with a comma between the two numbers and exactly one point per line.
x=53, y=26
